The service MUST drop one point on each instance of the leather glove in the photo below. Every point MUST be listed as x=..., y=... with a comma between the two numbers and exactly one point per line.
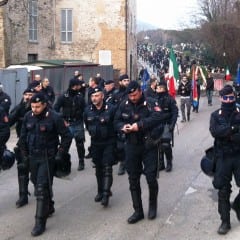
x=59, y=156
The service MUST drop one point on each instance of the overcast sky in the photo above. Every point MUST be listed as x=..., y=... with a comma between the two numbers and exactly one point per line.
x=167, y=14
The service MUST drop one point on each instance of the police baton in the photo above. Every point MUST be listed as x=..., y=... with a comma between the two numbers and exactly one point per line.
x=48, y=173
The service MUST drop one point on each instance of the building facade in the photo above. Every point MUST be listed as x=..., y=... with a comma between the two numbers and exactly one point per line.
x=98, y=31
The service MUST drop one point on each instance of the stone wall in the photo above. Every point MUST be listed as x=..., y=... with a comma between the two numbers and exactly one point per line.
x=97, y=25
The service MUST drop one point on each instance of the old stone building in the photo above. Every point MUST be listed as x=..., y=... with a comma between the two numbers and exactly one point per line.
x=98, y=31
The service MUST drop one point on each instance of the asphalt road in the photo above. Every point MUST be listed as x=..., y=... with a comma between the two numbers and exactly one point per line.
x=187, y=202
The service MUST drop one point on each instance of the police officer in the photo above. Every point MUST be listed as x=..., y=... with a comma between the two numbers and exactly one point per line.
x=168, y=105
x=98, y=118
x=4, y=132
x=40, y=145
x=72, y=104
x=48, y=91
x=137, y=118
x=225, y=128
x=5, y=100
x=109, y=90
x=16, y=117
x=120, y=95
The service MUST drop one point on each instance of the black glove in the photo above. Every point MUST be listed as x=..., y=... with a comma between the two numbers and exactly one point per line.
x=59, y=156
x=235, y=129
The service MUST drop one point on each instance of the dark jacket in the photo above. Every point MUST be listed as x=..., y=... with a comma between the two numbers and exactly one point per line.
x=42, y=132
x=17, y=114
x=4, y=127
x=71, y=104
x=224, y=127
x=99, y=123
x=185, y=89
x=146, y=113
x=5, y=101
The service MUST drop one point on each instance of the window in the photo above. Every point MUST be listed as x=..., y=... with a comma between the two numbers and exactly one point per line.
x=32, y=57
x=66, y=25
x=33, y=20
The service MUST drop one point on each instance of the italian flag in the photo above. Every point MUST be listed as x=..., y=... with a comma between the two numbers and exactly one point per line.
x=228, y=76
x=172, y=74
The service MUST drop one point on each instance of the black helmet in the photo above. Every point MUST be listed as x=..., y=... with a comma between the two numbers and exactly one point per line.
x=8, y=159
x=63, y=168
x=207, y=162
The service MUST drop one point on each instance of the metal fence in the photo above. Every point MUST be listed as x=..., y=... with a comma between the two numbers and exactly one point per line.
x=15, y=81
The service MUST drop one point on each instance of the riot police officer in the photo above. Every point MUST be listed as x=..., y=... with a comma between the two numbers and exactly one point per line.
x=98, y=118
x=120, y=95
x=225, y=128
x=40, y=145
x=5, y=100
x=168, y=105
x=4, y=132
x=72, y=104
x=137, y=118
x=16, y=116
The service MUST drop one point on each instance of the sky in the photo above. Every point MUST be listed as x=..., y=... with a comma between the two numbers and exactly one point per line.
x=167, y=14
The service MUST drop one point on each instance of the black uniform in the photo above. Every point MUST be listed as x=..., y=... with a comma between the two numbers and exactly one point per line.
x=72, y=104
x=120, y=95
x=39, y=143
x=224, y=127
x=168, y=105
x=49, y=93
x=140, y=158
x=99, y=123
x=16, y=117
x=4, y=132
x=5, y=101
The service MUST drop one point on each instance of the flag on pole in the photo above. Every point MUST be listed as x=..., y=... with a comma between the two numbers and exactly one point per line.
x=228, y=76
x=238, y=74
x=145, y=78
x=194, y=86
x=173, y=74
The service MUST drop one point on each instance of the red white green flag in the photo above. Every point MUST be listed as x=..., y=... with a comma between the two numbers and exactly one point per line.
x=228, y=76
x=173, y=74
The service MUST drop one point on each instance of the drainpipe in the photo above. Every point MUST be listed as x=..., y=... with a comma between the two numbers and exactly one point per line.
x=126, y=34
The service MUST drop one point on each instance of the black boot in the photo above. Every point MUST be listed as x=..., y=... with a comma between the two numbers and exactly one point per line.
x=81, y=165
x=224, y=228
x=42, y=210
x=224, y=210
x=188, y=117
x=236, y=206
x=169, y=165
x=81, y=153
x=99, y=176
x=137, y=205
x=51, y=210
x=23, y=191
x=153, y=193
x=121, y=169
x=161, y=165
x=107, y=183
